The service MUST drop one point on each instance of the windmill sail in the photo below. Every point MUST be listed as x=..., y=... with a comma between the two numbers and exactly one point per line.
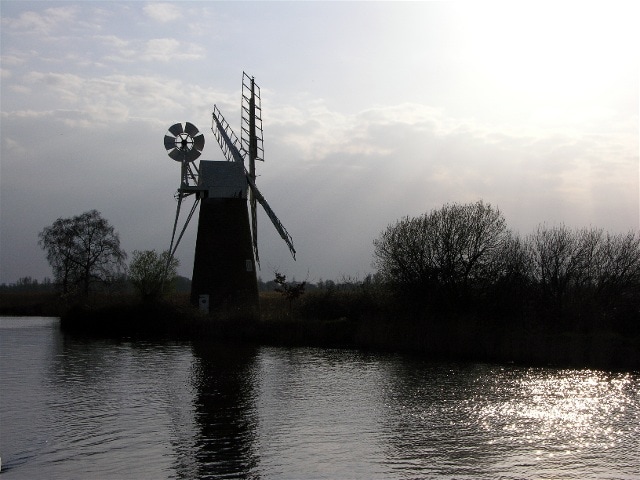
x=252, y=143
x=251, y=132
x=226, y=138
x=276, y=222
x=231, y=148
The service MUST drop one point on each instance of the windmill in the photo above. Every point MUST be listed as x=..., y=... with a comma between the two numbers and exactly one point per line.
x=226, y=254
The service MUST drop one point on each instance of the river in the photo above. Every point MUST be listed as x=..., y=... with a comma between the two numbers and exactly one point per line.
x=78, y=408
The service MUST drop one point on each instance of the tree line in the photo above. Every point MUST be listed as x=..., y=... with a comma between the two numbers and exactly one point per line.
x=28, y=285
x=457, y=260
x=452, y=283
x=462, y=258
x=85, y=255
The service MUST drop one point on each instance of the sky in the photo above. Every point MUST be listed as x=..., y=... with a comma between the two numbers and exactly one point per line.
x=372, y=111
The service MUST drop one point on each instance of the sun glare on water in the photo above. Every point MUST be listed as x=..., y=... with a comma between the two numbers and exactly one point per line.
x=571, y=412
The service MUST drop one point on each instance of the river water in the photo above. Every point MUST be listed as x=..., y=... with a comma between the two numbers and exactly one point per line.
x=78, y=408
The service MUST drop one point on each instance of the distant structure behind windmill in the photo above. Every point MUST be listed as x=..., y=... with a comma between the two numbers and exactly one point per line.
x=226, y=254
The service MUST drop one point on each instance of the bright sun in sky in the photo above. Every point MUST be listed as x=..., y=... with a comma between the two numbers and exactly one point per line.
x=558, y=58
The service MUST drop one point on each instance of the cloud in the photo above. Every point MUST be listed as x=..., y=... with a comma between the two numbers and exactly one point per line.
x=12, y=60
x=118, y=98
x=112, y=41
x=41, y=23
x=67, y=38
x=154, y=50
x=409, y=163
x=170, y=50
x=13, y=148
x=163, y=12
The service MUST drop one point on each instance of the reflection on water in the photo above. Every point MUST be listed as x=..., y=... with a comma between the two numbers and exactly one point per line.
x=320, y=414
x=74, y=408
x=224, y=379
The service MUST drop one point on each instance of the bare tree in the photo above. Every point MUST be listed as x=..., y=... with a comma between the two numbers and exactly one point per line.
x=589, y=259
x=555, y=260
x=83, y=250
x=470, y=236
x=453, y=246
x=588, y=266
x=620, y=262
x=149, y=271
x=513, y=262
x=404, y=252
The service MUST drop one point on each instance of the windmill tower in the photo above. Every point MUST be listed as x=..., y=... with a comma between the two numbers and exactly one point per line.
x=224, y=269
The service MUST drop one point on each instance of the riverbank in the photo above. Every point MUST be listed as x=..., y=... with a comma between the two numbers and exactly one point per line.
x=453, y=340
x=40, y=304
x=347, y=320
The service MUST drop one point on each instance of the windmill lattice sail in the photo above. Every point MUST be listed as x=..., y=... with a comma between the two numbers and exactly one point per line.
x=234, y=151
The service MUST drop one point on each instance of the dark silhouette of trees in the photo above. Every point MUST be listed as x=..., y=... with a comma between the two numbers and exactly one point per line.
x=150, y=272
x=28, y=284
x=576, y=270
x=555, y=263
x=461, y=262
x=451, y=248
x=83, y=250
x=618, y=268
